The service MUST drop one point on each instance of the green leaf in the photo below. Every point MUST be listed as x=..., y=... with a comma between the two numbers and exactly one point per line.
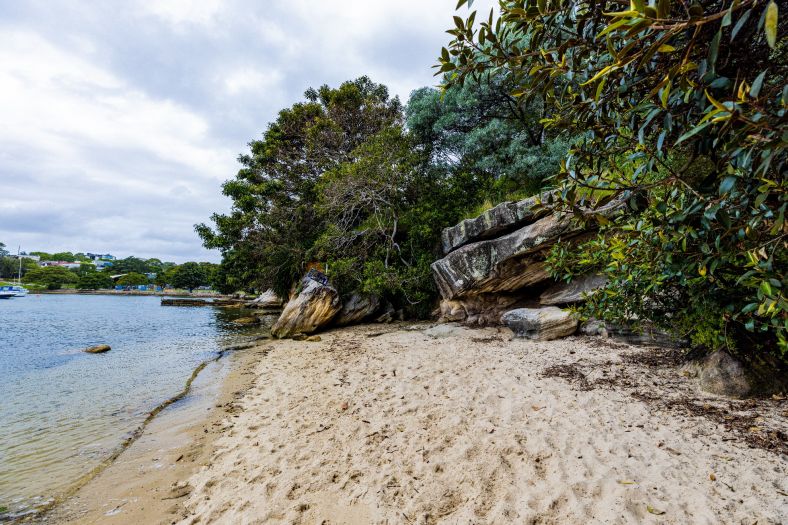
x=694, y=131
x=740, y=23
x=770, y=24
x=727, y=185
x=756, y=85
x=714, y=49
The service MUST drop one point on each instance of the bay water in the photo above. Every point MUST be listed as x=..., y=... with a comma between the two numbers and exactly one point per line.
x=63, y=411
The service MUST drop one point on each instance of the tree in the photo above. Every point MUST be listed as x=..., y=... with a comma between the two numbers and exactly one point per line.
x=384, y=212
x=683, y=109
x=133, y=279
x=53, y=277
x=481, y=128
x=188, y=275
x=128, y=265
x=265, y=239
x=94, y=281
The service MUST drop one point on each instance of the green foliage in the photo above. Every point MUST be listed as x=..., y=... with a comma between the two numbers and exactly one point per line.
x=133, y=279
x=480, y=127
x=188, y=275
x=132, y=264
x=685, y=110
x=94, y=281
x=383, y=213
x=53, y=277
x=274, y=222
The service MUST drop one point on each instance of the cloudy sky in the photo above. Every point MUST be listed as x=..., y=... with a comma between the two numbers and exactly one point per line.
x=119, y=120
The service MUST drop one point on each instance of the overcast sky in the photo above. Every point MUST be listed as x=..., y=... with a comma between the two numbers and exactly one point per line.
x=119, y=120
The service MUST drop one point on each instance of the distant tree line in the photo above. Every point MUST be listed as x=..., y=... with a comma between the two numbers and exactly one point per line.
x=135, y=272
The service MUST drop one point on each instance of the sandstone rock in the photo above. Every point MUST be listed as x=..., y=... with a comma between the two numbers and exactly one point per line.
x=723, y=374
x=268, y=299
x=357, y=308
x=314, y=307
x=540, y=324
x=480, y=267
x=482, y=310
x=491, y=223
x=99, y=349
x=572, y=292
x=442, y=331
x=509, y=262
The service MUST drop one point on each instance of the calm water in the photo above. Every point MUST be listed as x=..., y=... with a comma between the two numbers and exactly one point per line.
x=62, y=411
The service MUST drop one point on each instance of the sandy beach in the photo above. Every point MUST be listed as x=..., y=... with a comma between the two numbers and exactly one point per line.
x=422, y=424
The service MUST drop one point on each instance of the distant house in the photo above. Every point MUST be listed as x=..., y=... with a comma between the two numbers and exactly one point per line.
x=100, y=256
x=100, y=265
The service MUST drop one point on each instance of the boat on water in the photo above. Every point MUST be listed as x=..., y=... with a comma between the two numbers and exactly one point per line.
x=19, y=291
x=6, y=294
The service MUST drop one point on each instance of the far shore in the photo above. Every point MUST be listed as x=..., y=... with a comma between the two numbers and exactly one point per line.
x=413, y=424
x=164, y=293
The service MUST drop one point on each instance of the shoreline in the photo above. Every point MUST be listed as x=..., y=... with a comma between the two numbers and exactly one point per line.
x=409, y=424
x=127, y=486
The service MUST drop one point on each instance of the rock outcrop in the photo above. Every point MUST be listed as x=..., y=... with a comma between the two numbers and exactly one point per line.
x=493, y=222
x=496, y=262
x=723, y=374
x=572, y=292
x=540, y=324
x=314, y=307
x=356, y=308
x=268, y=300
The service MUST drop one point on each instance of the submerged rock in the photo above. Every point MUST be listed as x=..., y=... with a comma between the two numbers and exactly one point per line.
x=540, y=324
x=572, y=292
x=247, y=320
x=99, y=349
x=356, y=308
x=314, y=307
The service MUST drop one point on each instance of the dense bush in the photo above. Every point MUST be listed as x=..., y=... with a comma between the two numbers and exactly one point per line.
x=684, y=109
x=53, y=277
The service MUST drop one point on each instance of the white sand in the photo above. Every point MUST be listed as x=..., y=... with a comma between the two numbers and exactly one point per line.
x=406, y=428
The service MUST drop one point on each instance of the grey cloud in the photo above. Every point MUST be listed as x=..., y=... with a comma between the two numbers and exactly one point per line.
x=128, y=115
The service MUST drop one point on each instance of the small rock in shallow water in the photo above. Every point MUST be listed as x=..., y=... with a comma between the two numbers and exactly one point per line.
x=247, y=320
x=99, y=349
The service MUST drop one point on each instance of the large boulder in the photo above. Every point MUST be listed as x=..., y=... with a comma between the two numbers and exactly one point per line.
x=540, y=324
x=572, y=292
x=483, y=309
x=512, y=261
x=268, y=300
x=493, y=222
x=314, y=307
x=356, y=308
x=726, y=375
x=499, y=264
